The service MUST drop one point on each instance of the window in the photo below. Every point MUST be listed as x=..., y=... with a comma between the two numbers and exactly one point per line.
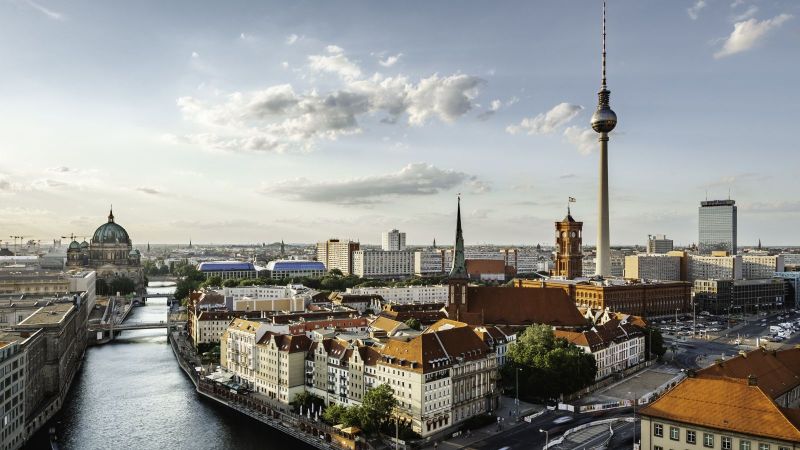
x=744, y=445
x=658, y=430
x=727, y=442
x=674, y=433
x=691, y=437
x=708, y=440
x=763, y=446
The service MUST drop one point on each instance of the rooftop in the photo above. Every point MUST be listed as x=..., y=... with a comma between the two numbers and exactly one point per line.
x=726, y=404
x=213, y=266
x=48, y=315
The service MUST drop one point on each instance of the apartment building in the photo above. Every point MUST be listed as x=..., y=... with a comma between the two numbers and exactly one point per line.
x=616, y=345
x=239, y=353
x=653, y=266
x=405, y=295
x=383, y=264
x=761, y=266
x=337, y=254
x=280, y=372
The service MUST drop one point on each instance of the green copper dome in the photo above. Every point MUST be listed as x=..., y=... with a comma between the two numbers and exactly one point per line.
x=110, y=233
x=74, y=245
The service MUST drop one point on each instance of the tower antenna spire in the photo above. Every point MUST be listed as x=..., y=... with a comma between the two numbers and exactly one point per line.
x=604, y=44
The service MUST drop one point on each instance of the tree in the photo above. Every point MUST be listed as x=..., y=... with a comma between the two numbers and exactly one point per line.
x=101, y=287
x=653, y=342
x=215, y=280
x=377, y=407
x=335, y=272
x=123, y=285
x=547, y=367
x=231, y=282
x=413, y=323
x=333, y=414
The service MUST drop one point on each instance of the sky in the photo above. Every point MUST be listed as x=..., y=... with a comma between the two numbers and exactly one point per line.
x=237, y=122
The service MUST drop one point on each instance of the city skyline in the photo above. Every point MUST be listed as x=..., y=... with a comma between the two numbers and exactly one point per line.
x=277, y=124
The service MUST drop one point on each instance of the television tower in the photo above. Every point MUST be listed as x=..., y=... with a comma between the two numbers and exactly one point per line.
x=603, y=121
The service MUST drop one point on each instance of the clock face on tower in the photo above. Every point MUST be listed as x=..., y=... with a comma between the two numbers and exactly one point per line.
x=572, y=234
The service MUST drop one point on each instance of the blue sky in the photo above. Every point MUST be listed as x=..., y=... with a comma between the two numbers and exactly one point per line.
x=262, y=121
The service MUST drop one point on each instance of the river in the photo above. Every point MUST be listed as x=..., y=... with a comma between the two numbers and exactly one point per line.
x=131, y=394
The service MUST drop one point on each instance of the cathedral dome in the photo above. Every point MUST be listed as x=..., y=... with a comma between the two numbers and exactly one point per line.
x=110, y=233
x=84, y=244
x=74, y=246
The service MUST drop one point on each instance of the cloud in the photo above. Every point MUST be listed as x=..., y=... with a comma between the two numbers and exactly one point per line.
x=694, y=10
x=750, y=12
x=149, y=190
x=335, y=62
x=285, y=65
x=291, y=39
x=60, y=169
x=55, y=15
x=495, y=106
x=748, y=33
x=417, y=179
x=584, y=139
x=390, y=61
x=195, y=55
x=567, y=176
x=278, y=119
x=545, y=123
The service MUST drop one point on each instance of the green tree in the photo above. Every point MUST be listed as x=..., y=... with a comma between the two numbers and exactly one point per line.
x=101, y=287
x=547, y=367
x=123, y=285
x=215, y=280
x=230, y=282
x=335, y=272
x=377, y=407
x=333, y=414
x=653, y=342
x=413, y=323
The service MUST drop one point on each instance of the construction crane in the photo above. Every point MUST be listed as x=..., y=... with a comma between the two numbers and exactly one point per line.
x=15, y=242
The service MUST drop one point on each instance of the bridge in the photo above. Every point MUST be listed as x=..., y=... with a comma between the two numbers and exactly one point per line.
x=130, y=326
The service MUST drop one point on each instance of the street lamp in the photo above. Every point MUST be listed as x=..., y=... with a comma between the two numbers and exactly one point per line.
x=546, y=438
x=516, y=391
x=633, y=394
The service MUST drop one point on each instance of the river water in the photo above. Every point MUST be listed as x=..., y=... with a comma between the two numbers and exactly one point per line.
x=131, y=394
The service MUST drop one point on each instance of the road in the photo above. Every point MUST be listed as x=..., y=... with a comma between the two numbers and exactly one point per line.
x=528, y=436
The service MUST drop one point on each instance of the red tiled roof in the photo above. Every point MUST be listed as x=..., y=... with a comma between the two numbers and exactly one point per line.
x=725, y=404
x=521, y=306
x=777, y=372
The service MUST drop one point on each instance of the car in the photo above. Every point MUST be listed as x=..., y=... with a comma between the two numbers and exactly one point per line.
x=562, y=419
x=763, y=324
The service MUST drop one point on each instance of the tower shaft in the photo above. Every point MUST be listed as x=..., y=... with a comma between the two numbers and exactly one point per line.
x=603, y=262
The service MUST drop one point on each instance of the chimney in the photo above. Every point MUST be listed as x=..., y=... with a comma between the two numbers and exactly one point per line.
x=752, y=380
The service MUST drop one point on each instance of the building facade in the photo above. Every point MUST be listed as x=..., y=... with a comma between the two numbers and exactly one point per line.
x=703, y=267
x=337, y=254
x=737, y=296
x=393, y=240
x=659, y=244
x=289, y=268
x=653, y=266
x=407, y=294
x=717, y=226
x=383, y=264
x=228, y=269
x=615, y=345
x=761, y=266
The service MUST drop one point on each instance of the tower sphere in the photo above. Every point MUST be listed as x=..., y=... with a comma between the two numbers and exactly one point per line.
x=604, y=120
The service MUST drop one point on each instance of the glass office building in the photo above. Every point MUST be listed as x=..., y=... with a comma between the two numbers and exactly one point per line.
x=717, y=226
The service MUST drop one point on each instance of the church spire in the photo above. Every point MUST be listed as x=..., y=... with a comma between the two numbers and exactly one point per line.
x=459, y=269
x=111, y=214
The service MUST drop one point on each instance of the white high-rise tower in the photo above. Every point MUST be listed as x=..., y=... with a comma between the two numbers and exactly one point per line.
x=603, y=121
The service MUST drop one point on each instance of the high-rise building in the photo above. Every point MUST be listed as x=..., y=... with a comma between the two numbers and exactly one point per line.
x=337, y=254
x=717, y=230
x=393, y=240
x=569, y=255
x=659, y=244
x=385, y=264
x=603, y=121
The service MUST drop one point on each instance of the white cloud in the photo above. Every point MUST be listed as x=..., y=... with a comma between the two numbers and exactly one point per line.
x=148, y=190
x=335, y=62
x=412, y=180
x=285, y=65
x=195, y=55
x=750, y=12
x=584, y=139
x=279, y=119
x=55, y=15
x=694, y=10
x=748, y=33
x=291, y=39
x=545, y=123
x=390, y=60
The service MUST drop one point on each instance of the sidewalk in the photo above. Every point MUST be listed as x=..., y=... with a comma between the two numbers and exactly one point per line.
x=507, y=423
